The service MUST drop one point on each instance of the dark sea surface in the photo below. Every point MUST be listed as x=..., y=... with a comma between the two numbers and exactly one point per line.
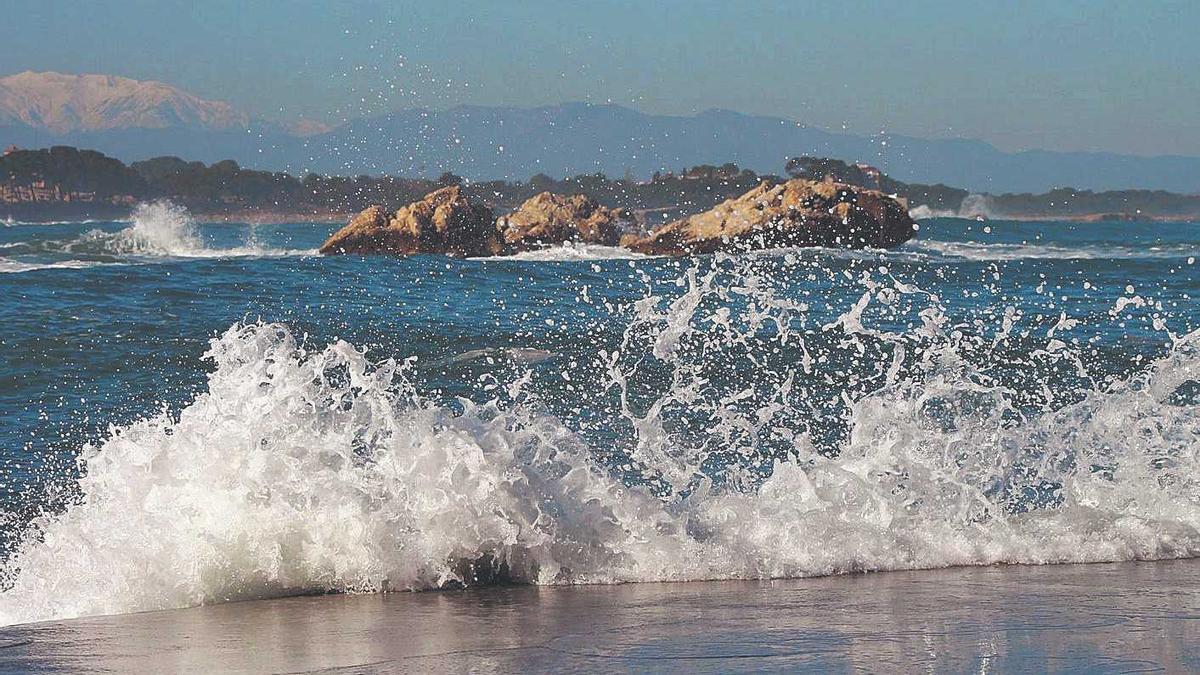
x=196, y=413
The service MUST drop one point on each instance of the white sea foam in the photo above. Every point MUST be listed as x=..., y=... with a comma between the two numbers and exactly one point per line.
x=165, y=229
x=924, y=212
x=998, y=251
x=973, y=206
x=572, y=251
x=11, y=222
x=158, y=228
x=158, y=231
x=8, y=266
x=311, y=471
x=977, y=206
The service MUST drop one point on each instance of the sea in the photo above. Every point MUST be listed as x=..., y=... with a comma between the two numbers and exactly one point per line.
x=196, y=413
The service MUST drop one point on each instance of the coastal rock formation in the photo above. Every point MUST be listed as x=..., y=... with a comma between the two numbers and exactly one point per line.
x=444, y=221
x=794, y=213
x=548, y=219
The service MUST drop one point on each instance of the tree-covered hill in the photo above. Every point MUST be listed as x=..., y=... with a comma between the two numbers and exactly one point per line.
x=66, y=182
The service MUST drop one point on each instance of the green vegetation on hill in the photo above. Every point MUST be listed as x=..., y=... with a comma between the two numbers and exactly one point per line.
x=68, y=182
x=1072, y=203
x=223, y=184
x=939, y=197
x=225, y=187
x=72, y=170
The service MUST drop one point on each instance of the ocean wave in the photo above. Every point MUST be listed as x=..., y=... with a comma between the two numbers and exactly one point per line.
x=973, y=206
x=570, y=251
x=306, y=470
x=157, y=231
x=89, y=221
x=8, y=266
x=1005, y=252
x=924, y=212
x=165, y=229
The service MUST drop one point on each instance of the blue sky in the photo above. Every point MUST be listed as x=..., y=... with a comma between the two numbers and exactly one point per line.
x=1063, y=75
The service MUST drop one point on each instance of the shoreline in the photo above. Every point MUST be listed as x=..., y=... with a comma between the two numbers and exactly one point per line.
x=1109, y=616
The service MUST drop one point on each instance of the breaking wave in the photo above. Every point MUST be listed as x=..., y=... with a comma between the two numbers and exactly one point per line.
x=157, y=231
x=1022, y=251
x=17, y=266
x=165, y=229
x=313, y=470
x=157, y=228
x=572, y=251
x=12, y=222
x=973, y=206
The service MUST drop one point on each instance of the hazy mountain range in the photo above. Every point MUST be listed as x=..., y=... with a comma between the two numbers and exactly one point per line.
x=133, y=120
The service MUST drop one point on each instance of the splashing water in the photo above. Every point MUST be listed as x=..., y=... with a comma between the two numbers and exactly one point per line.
x=163, y=228
x=573, y=251
x=972, y=206
x=733, y=428
x=157, y=231
x=159, y=228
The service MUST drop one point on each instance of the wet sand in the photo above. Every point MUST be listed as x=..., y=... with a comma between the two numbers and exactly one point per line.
x=1125, y=617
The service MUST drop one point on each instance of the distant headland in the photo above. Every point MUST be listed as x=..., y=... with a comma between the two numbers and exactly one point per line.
x=66, y=183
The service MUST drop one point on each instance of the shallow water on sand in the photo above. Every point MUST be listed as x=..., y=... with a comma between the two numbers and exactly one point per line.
x=1128, y=617
x=202, y=413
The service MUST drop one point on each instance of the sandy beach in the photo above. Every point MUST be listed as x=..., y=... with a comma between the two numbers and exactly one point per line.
x=1126, y=617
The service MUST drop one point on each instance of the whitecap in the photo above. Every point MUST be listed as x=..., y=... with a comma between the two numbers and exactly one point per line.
x=305, y=470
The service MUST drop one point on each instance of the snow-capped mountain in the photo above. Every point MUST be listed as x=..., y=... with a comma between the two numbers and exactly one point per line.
x=64, y=104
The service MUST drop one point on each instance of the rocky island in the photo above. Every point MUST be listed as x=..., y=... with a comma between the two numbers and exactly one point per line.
x=549, y=219
x=444, y=221
x=797, y=212
x=794, y=213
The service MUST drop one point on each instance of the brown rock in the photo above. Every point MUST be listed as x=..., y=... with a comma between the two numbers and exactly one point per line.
x=548, y=219
x=794, y=213
x=444, y=221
